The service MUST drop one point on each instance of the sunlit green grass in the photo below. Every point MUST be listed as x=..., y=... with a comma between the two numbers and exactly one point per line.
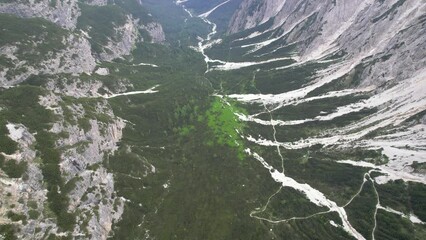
x=226, y=126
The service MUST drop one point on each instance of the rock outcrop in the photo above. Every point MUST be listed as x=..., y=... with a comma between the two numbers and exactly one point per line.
x=93, y=196
x=253, y=12
x=128, y=34
x=63, y=13
x=75, y=58
x=96, y=2
x=155, y=31
x=25, y=195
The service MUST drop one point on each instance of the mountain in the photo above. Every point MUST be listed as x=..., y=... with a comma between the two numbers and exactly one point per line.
x=392, y=30
x=218, y=119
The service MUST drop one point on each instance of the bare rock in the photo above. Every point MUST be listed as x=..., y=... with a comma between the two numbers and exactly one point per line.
x=129, y=36
x=76, y=58
x=385, y=36
x=63, y=13
x=155, y=31
x=96, y=2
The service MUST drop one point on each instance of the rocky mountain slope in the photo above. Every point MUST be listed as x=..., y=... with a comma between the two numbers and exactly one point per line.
x=380, y=42
x=369, y=46
x=77, y=47
x=364, y=60
x=390, y=32
x=53, y=180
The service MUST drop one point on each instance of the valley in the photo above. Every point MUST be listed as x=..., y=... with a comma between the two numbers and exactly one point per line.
x=224, y=119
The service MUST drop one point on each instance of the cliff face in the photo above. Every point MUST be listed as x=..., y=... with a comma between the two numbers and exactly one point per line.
x=155, y=31
x=63, y=13
x=128, y=36
x=254, y=12
x=360, y=29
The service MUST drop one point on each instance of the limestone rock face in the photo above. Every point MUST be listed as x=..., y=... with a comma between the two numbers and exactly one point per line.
x=75, y=58
x=93, y=195
x=253, y=12
x=96, y=2
x=129, y=36
x=155, y=30
x=392, y=32
x=28, y=193
x=92, y=198
x=63, y=13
